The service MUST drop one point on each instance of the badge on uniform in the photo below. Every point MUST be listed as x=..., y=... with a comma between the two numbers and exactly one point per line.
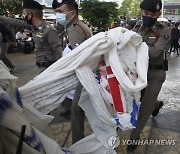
x=39, y=34
x=166, y=37
x=59, y=1
x=152, y=37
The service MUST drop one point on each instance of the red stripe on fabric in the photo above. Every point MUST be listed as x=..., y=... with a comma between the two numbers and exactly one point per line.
x=115, y=91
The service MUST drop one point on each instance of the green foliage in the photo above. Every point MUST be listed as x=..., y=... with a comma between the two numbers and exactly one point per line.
x=130, y=8
x=13, y=6
x=99, y=14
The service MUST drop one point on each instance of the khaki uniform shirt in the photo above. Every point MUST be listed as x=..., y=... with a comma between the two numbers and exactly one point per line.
x=47, y=42
x=157, y=38
x=77, y=33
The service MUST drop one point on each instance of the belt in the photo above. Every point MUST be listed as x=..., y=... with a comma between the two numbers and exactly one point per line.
x=156, y=66
x=45, y=64
x=41, y=64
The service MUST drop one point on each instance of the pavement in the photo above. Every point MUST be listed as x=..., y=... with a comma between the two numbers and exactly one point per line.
x=163, y=131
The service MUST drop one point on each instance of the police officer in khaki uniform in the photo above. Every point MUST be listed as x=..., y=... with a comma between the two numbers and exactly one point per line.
x=76, y=33
x=47, y=41
x=157, y=37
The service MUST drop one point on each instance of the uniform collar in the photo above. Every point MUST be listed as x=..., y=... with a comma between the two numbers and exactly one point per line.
x=72, y=22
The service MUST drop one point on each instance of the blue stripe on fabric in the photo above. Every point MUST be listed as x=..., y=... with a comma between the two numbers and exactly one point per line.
x=98, y=79
x=33, y=141
x=18, y=98
x=38, y=147
x=133, y=114
x=5, y=103
x=115, y=116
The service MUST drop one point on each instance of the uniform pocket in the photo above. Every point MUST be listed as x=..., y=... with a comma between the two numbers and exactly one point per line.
x=40, y=39
x=151, y=40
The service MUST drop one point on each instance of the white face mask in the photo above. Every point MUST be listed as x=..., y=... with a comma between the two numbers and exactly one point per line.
x=61, y=19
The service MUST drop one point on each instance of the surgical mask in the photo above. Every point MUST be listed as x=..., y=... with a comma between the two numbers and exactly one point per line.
x=61, y=19
x=148, y=21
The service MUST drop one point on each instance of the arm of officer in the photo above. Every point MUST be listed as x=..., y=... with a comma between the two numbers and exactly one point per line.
x=15, y=22
x=162, y=42
x=8, y=33
x=54, y=42
x=78, y=34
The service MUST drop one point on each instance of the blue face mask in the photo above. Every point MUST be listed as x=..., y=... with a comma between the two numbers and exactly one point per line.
x=61, y=19
x=148, y=21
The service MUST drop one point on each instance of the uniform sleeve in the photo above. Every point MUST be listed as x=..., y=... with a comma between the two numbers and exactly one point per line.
x=161, y=44
x=15, y=22
x=78, y=35
x=54, y=42
x=7, y=32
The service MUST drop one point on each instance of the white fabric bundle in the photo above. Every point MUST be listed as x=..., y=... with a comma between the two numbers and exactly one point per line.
x=14, y=117
x=124, y=51
x=46, y=91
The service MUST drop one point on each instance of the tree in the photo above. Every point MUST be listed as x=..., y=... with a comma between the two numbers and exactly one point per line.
x=99, y=14
x=12, y=6
x=130, y=8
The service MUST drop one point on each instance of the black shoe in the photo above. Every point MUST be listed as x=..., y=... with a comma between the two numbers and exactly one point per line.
x=156, y=111
x=65, y=113
x=134, y=143
x=12, y=69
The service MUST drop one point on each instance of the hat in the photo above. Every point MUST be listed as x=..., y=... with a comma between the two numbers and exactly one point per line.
x=58, y=3
x=151, y=5
x=31, y=4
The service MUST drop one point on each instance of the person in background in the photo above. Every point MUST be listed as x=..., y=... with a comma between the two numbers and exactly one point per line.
x=175, y=35
x=123, y=23
x=7, y=37
x=23, y=43
x=76, y=33
x=46, y=38
x=157, y=37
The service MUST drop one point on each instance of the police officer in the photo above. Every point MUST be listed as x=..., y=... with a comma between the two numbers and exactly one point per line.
x=76, y=33
x=47, y=41
x=6, y=36
x=157, y=37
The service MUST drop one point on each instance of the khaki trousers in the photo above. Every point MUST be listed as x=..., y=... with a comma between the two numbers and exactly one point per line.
x=149, y=100
x=77, y=116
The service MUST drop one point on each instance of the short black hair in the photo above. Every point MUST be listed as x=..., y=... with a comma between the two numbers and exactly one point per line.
x=73, y=6
x=37, y=13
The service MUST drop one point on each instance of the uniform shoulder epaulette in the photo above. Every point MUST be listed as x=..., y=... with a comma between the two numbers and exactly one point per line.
x=162, y=24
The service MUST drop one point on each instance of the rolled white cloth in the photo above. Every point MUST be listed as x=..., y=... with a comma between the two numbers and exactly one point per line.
x=127, y=56
x=46, y=91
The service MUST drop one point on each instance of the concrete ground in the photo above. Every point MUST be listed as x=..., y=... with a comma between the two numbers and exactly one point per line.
x=162, y=129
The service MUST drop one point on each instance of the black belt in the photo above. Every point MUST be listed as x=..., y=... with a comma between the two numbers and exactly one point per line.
x=41, y=64
x=156, y=66
x=45, y=64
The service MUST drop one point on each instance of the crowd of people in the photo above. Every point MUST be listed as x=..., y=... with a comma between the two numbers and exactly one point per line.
x=50, y=44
